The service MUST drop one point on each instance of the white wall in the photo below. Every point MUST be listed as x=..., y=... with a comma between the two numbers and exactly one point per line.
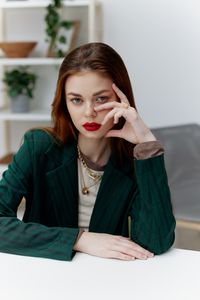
x=160, y=42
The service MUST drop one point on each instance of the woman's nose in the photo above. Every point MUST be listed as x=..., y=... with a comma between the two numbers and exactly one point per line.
x=89, y=110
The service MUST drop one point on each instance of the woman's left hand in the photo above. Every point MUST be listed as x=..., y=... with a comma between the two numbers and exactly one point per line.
x=134, y=129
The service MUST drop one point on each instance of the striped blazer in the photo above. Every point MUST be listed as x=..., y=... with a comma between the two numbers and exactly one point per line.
x=45, y=174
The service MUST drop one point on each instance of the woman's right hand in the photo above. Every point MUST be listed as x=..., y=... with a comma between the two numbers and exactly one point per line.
x=110, y=246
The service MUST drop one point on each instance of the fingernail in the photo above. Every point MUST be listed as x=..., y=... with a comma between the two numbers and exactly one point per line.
x=114, y=85
x=144, y=257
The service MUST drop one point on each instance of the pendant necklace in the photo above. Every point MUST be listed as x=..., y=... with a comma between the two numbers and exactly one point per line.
x=94, y=176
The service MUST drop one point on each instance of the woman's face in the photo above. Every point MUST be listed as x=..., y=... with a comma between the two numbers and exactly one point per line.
x=84, y=91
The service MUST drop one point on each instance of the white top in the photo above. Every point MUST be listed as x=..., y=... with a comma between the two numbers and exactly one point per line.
x=86, y=202
x=171, y=276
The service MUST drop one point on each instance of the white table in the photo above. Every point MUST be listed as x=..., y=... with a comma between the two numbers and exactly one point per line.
x=171, y=276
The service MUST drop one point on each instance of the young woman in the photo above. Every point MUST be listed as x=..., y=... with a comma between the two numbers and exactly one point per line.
x=95, y=182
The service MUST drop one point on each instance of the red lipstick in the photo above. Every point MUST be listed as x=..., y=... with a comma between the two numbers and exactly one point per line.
x=91, y=126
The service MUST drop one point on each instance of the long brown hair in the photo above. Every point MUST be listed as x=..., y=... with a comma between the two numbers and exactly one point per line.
x=97, y=57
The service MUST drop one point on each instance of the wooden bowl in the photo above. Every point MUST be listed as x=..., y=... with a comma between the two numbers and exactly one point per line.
x=17, y=49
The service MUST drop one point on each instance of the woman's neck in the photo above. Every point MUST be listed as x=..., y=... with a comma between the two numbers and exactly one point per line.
x=98, y=151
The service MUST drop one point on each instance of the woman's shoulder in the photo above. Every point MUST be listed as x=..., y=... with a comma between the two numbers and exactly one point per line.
x=39, y=134
x=40, y=139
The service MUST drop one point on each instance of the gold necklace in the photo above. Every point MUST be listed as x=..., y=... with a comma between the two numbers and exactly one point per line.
x=84, y=188
x=95, y=177
x=91, y=174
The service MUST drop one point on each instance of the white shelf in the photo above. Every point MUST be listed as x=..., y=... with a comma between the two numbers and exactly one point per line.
x=41, y=3
x=34, y=115
x=29, y=61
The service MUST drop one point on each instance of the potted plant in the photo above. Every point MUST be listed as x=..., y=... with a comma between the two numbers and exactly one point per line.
x=20, y=85
x=56, y=28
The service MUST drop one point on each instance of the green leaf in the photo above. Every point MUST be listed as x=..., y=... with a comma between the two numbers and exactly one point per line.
x=60, y=53
x=66, y=24
x=58, y=3
x=62, y=39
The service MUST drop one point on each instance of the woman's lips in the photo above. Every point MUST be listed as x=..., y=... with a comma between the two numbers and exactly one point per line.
x=91, y=126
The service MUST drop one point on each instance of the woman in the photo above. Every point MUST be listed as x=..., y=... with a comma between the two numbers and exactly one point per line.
x=95, y=182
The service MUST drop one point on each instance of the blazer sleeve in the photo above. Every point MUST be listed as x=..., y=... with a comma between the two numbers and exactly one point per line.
x=152, y=219
x=31, y=239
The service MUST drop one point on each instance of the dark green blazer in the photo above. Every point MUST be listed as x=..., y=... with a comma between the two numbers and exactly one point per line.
x=45, y=173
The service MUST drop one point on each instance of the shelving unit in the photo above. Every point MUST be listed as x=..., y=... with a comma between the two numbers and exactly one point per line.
x=41, y=3
x=30, y=61
x=39, y=63
x=33, y=115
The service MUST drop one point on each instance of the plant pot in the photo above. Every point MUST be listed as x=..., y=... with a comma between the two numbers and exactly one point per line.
x=20, y=104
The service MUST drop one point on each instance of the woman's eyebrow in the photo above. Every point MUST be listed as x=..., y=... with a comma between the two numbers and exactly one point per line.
x=95, y=94
x=100, y=92
x=73, y=94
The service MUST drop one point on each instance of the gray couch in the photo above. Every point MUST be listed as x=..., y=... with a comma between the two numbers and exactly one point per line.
x=182, y=158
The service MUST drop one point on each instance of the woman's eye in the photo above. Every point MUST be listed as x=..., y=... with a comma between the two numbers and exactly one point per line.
x=102, y=99
x=76, y=100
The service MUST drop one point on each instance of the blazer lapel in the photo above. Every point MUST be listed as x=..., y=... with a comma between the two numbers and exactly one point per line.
x=62, y=183
x=112, y=200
